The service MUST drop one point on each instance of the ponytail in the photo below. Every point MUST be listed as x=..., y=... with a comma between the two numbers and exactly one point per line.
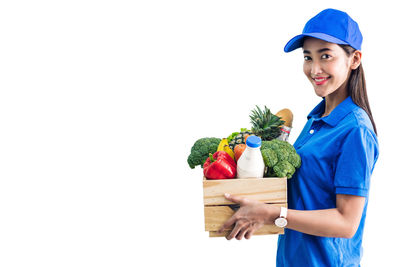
x=357, y=88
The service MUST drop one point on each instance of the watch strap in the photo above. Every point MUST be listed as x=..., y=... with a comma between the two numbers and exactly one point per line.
x=283, y=212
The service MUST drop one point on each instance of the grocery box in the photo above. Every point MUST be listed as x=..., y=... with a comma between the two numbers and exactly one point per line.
x=217, y=209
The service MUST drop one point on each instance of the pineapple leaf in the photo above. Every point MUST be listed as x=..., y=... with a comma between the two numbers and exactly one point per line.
x=265, y=124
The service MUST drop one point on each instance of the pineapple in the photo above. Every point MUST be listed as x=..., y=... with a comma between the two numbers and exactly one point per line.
x=265, y=124
x=239, y=139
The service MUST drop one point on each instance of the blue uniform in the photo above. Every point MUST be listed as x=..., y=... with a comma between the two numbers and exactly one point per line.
x=338, y=154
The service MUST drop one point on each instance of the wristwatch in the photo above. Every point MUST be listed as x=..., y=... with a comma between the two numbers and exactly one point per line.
x=281, y=220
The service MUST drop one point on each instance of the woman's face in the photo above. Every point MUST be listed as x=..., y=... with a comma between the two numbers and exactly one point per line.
x=326, y=65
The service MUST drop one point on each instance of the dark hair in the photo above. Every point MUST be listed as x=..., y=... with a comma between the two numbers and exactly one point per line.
x=357, y=88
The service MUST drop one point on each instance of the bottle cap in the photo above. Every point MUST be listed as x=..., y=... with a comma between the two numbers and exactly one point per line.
x=253, y=141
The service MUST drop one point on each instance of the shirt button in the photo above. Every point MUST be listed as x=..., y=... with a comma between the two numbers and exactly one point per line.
x=311, y=131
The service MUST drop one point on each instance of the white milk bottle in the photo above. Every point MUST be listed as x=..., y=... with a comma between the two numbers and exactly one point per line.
x=251, y=163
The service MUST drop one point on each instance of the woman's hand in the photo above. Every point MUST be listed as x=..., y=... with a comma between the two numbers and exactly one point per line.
x=251, y=216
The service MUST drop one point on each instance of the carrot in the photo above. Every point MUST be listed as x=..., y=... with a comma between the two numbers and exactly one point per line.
x=239, y=150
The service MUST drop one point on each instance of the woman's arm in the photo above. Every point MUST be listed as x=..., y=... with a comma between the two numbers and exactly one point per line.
x=341, y=221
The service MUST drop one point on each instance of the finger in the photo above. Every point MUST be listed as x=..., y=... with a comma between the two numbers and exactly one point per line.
x=236, y=199
x=242, y=233
x=231, y=221
x=235, y=231
x=252, y=230
x=249, y=233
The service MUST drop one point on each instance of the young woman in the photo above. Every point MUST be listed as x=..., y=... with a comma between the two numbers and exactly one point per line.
x=328, y=195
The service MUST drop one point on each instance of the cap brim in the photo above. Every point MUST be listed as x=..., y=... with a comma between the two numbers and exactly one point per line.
x=297, y=41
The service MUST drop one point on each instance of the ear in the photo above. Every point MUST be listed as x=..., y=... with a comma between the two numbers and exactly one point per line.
x=356, y=60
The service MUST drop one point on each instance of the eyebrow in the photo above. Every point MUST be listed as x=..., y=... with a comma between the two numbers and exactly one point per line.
x=319, y=51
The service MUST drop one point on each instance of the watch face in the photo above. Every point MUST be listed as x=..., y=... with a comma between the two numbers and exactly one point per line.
x=281, y=222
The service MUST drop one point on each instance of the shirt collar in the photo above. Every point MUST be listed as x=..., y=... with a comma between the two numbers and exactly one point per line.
x=337, y=114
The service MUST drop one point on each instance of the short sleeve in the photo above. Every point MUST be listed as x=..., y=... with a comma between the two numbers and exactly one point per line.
x=355, y=162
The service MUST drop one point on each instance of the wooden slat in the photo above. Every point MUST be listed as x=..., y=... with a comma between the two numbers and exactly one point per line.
x=268, y=190
x=216, y=216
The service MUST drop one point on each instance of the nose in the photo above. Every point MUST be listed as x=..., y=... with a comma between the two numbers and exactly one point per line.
x=316, y=68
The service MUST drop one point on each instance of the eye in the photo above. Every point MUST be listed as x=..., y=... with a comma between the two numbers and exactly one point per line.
x=325, y=56
x=307, y=58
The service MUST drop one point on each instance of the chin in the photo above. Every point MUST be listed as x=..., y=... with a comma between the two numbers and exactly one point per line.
x=319, y=93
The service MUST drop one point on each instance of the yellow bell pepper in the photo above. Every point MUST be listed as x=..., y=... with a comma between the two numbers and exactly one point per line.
x=224, y=146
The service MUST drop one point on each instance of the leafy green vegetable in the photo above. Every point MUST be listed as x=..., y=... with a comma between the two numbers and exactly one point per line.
x=201, y=150
x=280, y=157
x=230, y=137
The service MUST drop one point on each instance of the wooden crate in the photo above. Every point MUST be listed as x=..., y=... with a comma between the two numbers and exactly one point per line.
x=217, y=209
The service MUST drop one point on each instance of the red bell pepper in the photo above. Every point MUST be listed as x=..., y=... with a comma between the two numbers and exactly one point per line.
x=220, y=166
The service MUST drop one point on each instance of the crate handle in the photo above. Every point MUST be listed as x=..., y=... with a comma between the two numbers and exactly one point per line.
x=234, y=207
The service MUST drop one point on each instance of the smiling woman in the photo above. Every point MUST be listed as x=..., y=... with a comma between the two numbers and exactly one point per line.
x=328, y=195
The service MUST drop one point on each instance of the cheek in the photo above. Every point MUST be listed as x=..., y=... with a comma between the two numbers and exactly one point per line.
x=340, y=74
x=339, y=69
x=306, y=69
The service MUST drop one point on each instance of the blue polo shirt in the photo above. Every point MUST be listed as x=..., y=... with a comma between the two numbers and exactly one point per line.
x=338, y=154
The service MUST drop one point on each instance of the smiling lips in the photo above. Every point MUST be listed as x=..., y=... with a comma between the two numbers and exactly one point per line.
x=320, y=80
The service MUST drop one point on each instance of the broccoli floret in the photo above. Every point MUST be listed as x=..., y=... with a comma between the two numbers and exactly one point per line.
x=280, y=157
x=269, y=156
x=265, y=144
x=295, y=160
x=282, y=153
x=201, y=149
x=284, y=168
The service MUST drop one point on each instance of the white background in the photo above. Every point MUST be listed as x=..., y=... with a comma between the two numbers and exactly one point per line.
x=101, y=102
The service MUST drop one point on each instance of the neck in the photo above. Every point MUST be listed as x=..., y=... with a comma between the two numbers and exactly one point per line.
x=334, y=99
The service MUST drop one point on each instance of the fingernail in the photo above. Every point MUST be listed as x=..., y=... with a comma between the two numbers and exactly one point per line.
x=227, y=195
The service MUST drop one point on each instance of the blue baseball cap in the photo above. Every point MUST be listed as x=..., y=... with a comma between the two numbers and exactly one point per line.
x=330, y=25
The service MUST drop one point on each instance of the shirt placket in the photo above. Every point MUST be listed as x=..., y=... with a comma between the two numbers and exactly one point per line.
x=314, y=128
